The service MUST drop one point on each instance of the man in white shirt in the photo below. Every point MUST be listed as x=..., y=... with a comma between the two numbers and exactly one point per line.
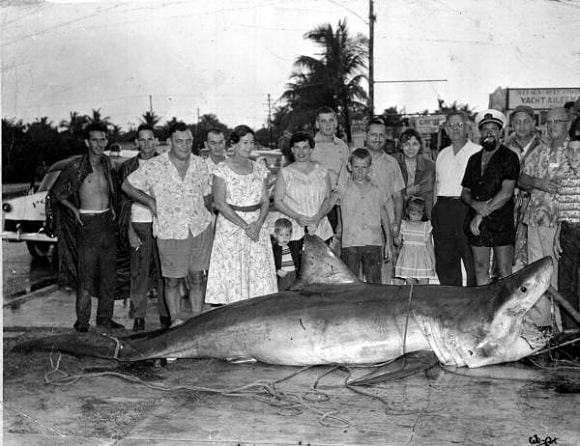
x=449, y=211
x=138, y=222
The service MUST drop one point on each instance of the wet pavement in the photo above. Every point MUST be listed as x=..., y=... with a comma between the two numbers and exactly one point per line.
x=22, y=273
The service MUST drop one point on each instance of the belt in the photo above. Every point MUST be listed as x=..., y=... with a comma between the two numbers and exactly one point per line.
x=251, y=208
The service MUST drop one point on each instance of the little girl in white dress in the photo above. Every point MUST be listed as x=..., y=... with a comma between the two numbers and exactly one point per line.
x=416, y=261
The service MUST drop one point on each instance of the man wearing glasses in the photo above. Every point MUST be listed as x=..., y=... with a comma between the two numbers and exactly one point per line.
x=449, y=212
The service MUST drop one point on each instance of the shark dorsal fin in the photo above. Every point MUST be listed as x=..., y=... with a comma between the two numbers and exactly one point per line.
x=320, y=266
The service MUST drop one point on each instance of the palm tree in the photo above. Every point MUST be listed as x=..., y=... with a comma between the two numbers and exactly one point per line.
x=150, y=118
x=96, y=117
x=335, y=78
x=75, y=124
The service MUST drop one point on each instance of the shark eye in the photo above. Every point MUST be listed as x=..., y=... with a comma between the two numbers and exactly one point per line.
x=523, y=289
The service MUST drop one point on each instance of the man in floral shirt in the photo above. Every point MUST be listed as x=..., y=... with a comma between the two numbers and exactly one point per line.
x=540, y=177
x=175, y=187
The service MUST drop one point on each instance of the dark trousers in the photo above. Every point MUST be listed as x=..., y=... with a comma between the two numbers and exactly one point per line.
x=287, y=281
x=97, y=272
x=145, y=272
x=371, y=258
x=568, y=269
x=451, y=245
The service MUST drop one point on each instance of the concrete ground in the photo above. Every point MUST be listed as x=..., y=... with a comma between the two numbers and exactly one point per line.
x=185, y=402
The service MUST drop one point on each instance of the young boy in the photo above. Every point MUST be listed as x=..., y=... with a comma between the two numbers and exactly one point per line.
x=363, y=214
x=286, y=254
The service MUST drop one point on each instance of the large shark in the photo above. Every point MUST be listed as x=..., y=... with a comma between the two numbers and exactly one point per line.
x=330, y=317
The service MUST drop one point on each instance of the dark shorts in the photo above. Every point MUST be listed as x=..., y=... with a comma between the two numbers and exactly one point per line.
x=179, y=257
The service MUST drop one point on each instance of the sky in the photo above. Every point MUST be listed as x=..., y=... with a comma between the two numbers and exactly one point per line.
x=233, y=58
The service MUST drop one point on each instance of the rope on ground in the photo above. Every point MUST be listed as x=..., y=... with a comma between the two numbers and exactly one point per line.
x=287, y=403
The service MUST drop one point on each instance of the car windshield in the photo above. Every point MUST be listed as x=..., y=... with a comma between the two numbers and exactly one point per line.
x=48, y=180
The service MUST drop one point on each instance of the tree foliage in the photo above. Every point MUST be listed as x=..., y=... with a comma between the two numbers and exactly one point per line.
x=333, y=78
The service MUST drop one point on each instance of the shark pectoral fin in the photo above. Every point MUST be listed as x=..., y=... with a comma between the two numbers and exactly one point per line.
x=402, y=367
x=241, y=360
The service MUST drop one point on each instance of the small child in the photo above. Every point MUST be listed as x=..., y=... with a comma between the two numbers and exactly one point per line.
x=286, y=254
x=416, y=262
x=363, y=212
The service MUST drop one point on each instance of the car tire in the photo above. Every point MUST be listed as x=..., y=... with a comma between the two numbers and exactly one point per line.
x=38, y=249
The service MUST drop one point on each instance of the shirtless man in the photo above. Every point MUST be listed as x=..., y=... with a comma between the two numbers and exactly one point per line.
x=87, y=189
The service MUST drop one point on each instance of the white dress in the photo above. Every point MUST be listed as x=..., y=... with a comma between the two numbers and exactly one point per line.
x=305, y=193
x=239, y=267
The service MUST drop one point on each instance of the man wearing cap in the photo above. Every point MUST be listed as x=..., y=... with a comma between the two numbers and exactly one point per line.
x=523, y=141
x=488, y=189
x=540, y=177
x=449, y=212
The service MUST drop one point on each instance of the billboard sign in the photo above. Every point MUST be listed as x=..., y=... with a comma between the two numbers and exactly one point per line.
x=541, y=98
x=427, y=124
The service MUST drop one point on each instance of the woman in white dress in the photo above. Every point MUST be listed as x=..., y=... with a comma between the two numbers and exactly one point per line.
x=303, y=191
x=242, y=262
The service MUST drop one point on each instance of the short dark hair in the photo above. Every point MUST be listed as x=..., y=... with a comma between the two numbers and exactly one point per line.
x=417, y=203
x=361, y=154
x=179, y=126
x=145, y=127
x=282, y=223
x=376, y=121
x=214, y=131
x=324, y=110
x=301, y=136
x=459, y=113
x=408, y=134
x=568, y=105
x=239, y=132
x=95, y=127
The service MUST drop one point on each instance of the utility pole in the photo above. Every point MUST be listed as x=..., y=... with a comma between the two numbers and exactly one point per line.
x=270, y=119
x=151, y=104
x=372, y=19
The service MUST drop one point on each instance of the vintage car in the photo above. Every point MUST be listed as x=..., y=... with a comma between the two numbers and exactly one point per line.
x=25, y=217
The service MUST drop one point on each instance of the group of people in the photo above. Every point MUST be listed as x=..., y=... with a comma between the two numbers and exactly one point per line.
x=489, y=207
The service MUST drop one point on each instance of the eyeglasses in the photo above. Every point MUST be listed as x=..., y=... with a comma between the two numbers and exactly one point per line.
x=557, y=121
x=456, y=125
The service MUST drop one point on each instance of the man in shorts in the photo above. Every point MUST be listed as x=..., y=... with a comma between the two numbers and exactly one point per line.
x=175, y=187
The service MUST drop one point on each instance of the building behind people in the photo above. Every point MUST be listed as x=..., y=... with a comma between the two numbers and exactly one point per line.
x=366, y=229
x=449, y=211
x=287, y=253
x=523, y=141
x=416, y=261
x=331, y=152
x=175, y=187
x=417, y=169
x=567, y=238
x=303, y=191
x=488, y=189
x=87, y=188
x=242, y=263
x=386, y=173
x=136, y=230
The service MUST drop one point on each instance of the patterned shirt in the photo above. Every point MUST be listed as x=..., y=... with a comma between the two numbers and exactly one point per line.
x=334, y=156
x=568, y=196
x=180, y=204
x=361, y=214
x=543, y=163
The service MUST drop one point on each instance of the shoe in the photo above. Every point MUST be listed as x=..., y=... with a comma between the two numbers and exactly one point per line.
x=110, y=325
x=139, y=324
x=81, y=328
x=165, y=321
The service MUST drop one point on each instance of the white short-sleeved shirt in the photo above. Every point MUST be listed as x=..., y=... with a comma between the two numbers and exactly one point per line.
x=180, y=204
x=450, y=168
